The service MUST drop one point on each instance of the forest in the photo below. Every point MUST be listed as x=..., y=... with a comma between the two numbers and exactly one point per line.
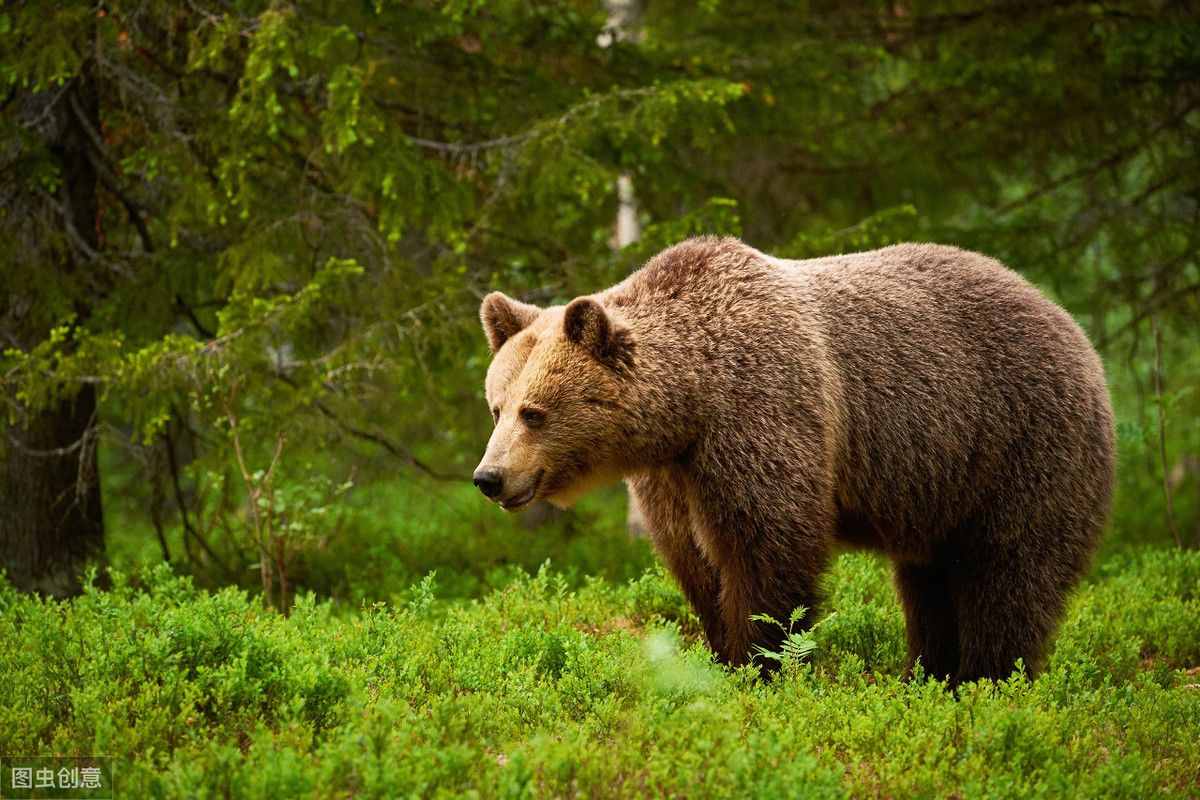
x=242, y=372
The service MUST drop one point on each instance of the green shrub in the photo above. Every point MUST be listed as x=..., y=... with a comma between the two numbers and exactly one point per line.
x=552, y=686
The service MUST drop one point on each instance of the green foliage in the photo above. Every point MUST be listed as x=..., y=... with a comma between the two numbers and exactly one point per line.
x=797, y=645
x=368, y=543
x=297, y=207
x=540, y=689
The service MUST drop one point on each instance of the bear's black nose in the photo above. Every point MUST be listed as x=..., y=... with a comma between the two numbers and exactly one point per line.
x=489, y=481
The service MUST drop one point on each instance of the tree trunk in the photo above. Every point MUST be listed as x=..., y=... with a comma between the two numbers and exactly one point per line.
x=50, y=515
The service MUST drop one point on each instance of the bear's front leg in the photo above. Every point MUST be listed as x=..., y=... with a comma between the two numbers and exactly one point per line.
x=764, y=509
x=763, y=581
x=663, y=498
x=770, y=556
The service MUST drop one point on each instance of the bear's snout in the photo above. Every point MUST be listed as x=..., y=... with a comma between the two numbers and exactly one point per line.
x=489, y=481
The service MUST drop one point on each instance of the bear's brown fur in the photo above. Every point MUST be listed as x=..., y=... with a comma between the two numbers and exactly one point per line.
x=920, y=400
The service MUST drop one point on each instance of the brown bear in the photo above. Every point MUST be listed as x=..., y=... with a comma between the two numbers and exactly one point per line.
x=922, y=401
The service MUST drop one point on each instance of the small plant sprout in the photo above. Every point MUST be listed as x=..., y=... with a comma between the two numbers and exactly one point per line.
x=797, y=646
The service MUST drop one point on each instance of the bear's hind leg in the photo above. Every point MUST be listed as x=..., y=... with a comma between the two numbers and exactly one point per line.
x=1008, y=606
x=931, y=621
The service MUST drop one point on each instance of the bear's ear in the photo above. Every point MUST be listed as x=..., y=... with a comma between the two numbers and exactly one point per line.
x=503, y=318
x=586, y=323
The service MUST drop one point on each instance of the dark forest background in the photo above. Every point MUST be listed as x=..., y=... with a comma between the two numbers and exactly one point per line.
x=244, y=243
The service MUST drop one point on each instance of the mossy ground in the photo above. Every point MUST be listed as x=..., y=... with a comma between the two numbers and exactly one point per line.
x=553, y=687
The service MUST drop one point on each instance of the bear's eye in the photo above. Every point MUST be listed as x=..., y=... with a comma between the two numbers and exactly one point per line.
x=533, y=418
x=495, y=414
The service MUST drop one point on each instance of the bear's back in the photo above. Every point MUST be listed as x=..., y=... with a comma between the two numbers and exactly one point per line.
x=949, y=377
x=961, y=382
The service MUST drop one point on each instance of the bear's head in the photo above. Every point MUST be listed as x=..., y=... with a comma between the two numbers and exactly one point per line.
x=558, y=391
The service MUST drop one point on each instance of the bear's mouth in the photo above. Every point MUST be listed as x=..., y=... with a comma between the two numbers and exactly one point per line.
x=516, y=501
